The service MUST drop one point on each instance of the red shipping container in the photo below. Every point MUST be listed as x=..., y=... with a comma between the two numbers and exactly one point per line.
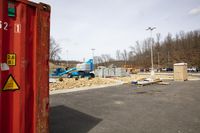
x=24, y=69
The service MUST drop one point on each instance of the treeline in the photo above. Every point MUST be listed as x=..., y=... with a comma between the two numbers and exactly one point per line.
x=183, y=47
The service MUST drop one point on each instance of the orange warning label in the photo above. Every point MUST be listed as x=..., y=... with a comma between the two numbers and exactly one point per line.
x=10, y=84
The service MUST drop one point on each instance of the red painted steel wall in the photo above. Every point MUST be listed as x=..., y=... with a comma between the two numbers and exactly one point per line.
x=24, y=110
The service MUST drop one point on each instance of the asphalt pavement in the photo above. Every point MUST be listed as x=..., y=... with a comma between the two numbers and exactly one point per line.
x=173, y=108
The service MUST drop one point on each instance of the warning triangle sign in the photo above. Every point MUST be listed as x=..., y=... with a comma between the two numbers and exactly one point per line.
x=10, y=84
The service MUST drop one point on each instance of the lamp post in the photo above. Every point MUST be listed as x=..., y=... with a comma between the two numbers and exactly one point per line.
x=67, y=57
x=93, y=56
x=151, y=41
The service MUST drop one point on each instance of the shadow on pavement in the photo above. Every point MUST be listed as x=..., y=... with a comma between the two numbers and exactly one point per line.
x=67, y=120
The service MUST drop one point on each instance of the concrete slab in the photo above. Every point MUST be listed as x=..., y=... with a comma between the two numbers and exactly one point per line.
x=125, y=108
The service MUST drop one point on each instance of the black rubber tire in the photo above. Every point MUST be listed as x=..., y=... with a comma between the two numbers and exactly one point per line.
x=70, y=76
x=92, y=75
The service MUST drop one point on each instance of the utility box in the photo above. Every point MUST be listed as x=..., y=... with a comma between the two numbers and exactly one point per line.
x=180, y=72
x=24, y=66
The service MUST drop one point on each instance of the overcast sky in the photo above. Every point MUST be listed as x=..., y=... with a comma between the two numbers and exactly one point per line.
x=109, y=25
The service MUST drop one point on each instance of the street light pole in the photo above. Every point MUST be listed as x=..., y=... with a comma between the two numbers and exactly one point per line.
x=67, y=58
x=158, y=62
x=93, y=56
x=151, y=41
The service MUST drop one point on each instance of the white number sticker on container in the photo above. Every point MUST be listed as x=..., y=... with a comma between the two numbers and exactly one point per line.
x=17, y=28
x=3, y=25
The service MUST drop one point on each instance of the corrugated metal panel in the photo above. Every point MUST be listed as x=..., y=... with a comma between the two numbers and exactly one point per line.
x=24, y=46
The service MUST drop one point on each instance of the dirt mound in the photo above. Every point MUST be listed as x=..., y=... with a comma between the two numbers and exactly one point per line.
x=69, y=83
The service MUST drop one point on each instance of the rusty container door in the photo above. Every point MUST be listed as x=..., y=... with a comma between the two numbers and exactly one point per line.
x=24, y=56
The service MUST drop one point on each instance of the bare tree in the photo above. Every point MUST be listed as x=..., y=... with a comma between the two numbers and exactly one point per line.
x=106, y=57
x=124, y=55
x=131, y=56
x=98, y=59
x=55, y=50
x=184, y=47
x=136, y=49
x=118, y=55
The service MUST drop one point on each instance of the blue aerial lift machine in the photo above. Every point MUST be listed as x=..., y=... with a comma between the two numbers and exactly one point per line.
x=81, y=70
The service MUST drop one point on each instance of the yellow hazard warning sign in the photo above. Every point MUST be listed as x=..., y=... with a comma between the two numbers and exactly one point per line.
x=11, y=59
x=10, y=84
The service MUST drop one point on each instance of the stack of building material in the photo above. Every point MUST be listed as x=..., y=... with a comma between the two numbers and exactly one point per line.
x=121, y=72
x=111, y=72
